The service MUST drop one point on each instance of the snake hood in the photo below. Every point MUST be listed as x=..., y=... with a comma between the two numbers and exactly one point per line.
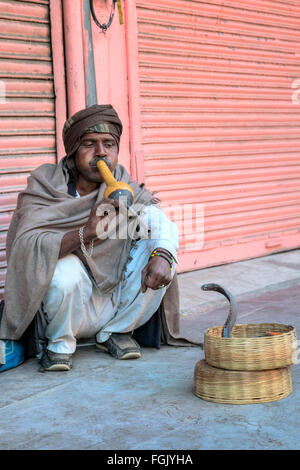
x=231, y=319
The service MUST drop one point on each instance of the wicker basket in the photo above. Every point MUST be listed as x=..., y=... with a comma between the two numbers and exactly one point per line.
x=241, y=387
x=249, y=349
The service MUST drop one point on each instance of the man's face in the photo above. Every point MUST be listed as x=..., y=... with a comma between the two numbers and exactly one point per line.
x=95, y=146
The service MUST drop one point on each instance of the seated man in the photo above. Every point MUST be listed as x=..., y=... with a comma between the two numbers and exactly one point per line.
x=66, y=272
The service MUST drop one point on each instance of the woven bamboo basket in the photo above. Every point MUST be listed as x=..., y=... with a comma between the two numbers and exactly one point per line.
x=249, y=348
x=241, y=387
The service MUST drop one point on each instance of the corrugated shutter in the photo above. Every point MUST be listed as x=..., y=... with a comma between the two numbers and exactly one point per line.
x=27, y=115
x=220, y=126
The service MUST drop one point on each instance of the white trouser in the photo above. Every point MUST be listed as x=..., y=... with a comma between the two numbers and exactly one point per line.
x=73, y=307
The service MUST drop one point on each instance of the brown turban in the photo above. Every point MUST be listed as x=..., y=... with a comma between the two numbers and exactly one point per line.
x=97, y=118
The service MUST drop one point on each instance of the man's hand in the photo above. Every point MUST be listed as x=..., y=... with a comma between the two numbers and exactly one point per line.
x=100, y=215
x=156, y=273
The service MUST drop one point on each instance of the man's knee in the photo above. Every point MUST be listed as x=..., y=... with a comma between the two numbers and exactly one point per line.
x=68, y=274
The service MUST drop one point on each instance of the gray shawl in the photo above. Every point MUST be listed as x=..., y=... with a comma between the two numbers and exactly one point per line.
x=45, y=212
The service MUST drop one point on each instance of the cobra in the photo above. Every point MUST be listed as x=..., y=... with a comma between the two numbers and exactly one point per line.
x=231, y=319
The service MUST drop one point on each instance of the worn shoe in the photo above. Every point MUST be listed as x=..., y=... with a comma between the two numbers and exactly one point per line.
x=121, y=346
x=55, y=362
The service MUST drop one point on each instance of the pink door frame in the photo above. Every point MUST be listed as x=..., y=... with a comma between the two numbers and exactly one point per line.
x=116, y=51
x=131, y=30
x=57, y=36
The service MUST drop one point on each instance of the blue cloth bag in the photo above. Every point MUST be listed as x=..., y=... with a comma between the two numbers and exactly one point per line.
x=11, y=354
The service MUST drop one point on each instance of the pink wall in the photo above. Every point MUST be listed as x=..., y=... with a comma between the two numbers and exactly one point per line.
x=207, y=119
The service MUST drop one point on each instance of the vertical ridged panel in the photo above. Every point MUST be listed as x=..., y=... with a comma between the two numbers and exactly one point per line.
x=27, y=114
x=219, y=123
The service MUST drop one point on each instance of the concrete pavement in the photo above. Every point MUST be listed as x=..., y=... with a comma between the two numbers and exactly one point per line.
x=149, y=403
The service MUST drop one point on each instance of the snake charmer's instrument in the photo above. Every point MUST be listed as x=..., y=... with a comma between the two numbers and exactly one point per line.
x=115, y=189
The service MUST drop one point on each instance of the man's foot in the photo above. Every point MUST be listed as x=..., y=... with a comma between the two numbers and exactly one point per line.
x=121, y=346
x=55, y=362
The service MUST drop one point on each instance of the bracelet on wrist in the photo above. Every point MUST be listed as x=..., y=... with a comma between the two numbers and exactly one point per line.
x=163, y=255
x=86, y=253
x=164, y=252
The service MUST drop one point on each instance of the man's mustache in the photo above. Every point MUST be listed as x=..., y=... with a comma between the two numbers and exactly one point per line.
x=93, y=162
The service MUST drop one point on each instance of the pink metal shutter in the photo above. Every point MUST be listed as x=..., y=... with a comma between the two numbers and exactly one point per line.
x=27, y=115
x=220, y=120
